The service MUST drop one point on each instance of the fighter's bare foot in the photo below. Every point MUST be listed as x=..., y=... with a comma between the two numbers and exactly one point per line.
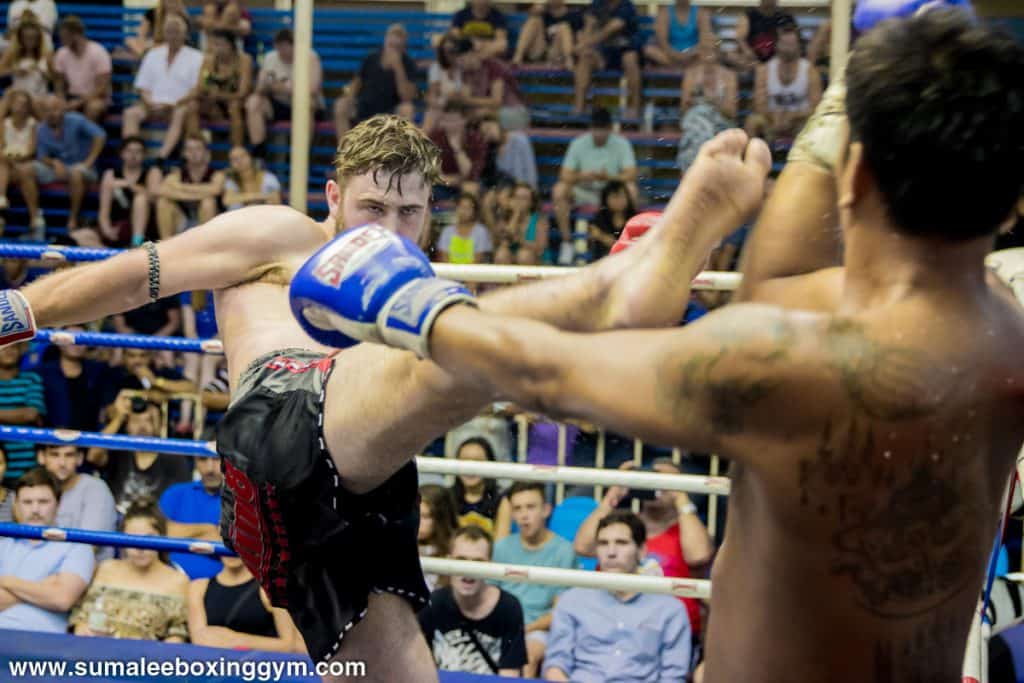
x=720, y=192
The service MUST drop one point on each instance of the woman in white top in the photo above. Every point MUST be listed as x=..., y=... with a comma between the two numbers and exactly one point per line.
x=17, y=137
x=444, y=79
x=247, y=183
x=28, y=61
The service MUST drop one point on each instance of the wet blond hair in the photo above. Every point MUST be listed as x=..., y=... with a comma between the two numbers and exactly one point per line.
x=387, y=144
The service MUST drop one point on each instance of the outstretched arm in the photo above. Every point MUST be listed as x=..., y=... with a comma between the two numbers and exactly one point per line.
x=232, y=248
x=689, y=386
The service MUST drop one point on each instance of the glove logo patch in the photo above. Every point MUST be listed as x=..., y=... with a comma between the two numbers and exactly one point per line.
x=331, y=268
x=15, y=320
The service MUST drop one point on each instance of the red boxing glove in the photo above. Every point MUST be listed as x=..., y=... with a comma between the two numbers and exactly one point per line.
x=635, y=228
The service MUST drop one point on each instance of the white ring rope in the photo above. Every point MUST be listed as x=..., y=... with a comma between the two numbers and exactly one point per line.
x=477, y=272
x=683, y=588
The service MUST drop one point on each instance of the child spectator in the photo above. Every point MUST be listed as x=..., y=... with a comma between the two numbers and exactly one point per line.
x=22, y=402
x=616, y=208
x=18, y=145
x=248, y=183
x=232, y=611
x=437, y=524
x=225, y=80
x=468, y=240
x=522, y=229
x=140, y=596
x=477, y=498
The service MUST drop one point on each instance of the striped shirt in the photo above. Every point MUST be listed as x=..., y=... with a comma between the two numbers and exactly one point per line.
x=23, y=391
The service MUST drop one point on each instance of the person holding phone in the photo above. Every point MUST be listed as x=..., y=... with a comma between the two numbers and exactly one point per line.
x=678, y=544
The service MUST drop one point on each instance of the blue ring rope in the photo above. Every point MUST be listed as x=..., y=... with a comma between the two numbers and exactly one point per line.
x=136, y=341
x=120, y=442
x=113, y=538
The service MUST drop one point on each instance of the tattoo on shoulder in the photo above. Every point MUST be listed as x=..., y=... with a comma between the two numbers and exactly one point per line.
x=887, y=382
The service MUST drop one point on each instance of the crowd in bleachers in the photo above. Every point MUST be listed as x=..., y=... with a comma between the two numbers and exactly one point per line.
x=555, y=127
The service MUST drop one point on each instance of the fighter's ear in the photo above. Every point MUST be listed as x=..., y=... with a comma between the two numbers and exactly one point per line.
x=334, y=193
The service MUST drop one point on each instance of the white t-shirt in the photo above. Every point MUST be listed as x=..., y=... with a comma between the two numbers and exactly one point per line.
x=168, y=83
x=449, y=84
x=274, y=70
x=45, y=11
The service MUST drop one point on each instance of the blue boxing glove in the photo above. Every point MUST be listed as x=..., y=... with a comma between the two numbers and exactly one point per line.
x=370, y=284
x=17, y=324
x=868, y=13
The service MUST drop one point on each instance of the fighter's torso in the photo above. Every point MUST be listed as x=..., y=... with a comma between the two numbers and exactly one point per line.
x=856, y=542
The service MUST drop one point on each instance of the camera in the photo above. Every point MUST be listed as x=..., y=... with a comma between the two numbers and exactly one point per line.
x=139, y=404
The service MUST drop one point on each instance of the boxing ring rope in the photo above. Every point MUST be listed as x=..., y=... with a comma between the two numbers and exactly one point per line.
x=682, y=588
x=492, y=470
x=131, y=341
x=484, y=273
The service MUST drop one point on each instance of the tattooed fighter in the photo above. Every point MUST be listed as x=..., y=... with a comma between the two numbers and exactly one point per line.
x=872, y=431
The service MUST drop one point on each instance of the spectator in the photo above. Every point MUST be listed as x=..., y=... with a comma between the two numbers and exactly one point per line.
x=232, y=611
x=167, y=75
x=151, y=27
x=548, y=35
x=68, y=145
x=478, y=500
x=225, y=15
x=616, y=208
x=444, y=78
x=677, y=32
x=437, y=524
x=522, y=229
x=272, y=99
x=385, y=84
x=709, y=99
x=28, y=61
x=44, y=11
x=248, y=183
x=610, y=40
x=134, y=475
x=471, y=625
x=140, y=373
x=83, y=68
x=490, y=87
x=71, y=383
x=509, y=155
x=40, y=580
x=85, y=500
x=678, y=544
x=787, y=88
x=19, y=149
x=6, y=494
x=601, y=635
x=160, y=318
x=592, y=160
x=22, y=402
x=192, y=509
x=140, y=596
x=537, y=546
x=463, y=150
x=485, y=26
x=468, y=240
x=225, y=81
x=127, y=195
x=190, y=194
x=757, y=32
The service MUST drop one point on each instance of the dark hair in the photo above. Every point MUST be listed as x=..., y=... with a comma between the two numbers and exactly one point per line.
x=442, y=58
x=635, y=524
x=37, y=476
x=284, y=35
x=472, y=532
x=146, y=508
x=938, y=104
x=601, y=118
x=223, y=34
x=490, y=486
x=132, y=140
x=521, y=486
x=443, y=512
x=610, y=188
x=73, y=24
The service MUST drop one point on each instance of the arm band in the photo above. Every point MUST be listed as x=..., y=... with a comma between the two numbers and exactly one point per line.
x=154, y=272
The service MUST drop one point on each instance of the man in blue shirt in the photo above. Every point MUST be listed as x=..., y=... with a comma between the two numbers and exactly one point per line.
x=537, y=546
x=599, y=635
x=193, y=511
x=22, y=402
x=67, y=148
x=40, y=580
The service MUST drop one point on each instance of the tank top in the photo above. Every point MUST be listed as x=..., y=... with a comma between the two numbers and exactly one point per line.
x=35, y=81
x=682, y=36
x=787, y=97
x=238, y=608
x=16, y=142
